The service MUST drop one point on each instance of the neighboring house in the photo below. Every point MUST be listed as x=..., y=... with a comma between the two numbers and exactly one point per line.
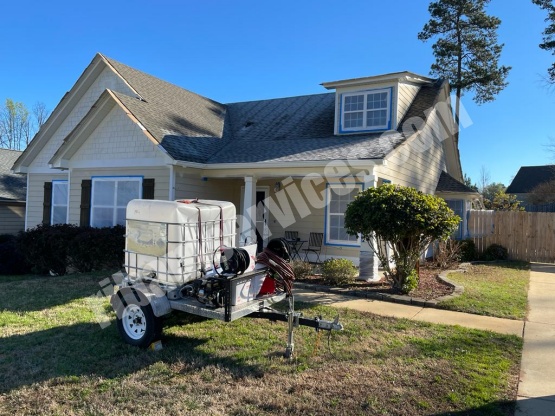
x=120, y=134
x=527, y=178
x=13, y=189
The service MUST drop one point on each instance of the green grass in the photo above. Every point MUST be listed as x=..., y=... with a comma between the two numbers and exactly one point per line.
x=497, y=289
x=55, y=359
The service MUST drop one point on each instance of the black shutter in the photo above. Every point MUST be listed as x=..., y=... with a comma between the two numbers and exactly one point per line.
x=148, y=188
x=47, y=203
x=85, y=217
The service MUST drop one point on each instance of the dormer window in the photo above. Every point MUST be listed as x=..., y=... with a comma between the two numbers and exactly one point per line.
x=368, y=110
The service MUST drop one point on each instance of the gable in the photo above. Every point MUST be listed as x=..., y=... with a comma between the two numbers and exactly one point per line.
x=528, y=177
x=115, y=141
x=374, y=104
x=97, y=77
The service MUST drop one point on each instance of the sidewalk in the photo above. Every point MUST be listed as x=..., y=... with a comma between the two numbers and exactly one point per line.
x=418, y=313
x=536, y=390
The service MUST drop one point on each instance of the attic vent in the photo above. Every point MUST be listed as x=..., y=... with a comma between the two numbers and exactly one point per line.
x=248, y=124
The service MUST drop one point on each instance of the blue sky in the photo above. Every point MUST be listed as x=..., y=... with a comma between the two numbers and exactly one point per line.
x=246, y=50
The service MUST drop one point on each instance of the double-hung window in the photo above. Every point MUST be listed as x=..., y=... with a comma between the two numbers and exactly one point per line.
x=58, y=211
x=109, y=198
x=338, y=197
x=366, y=110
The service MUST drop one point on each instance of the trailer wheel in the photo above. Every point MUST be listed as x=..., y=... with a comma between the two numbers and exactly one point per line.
x=138, y=325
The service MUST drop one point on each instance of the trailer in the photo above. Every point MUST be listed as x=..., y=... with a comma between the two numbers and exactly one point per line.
x=183, y=256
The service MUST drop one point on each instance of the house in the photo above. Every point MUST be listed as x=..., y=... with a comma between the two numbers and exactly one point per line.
x=286, y=163
x=528, y=178
x=13, y=190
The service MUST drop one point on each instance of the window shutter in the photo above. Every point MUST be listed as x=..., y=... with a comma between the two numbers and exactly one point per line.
x=85, y=217
x=47, y=203
x=148, y=188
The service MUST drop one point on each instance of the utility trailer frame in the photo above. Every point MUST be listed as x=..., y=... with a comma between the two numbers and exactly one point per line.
x=179, y=257
x=141, y=305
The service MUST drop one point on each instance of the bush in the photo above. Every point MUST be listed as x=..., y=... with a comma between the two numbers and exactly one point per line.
x=468, y=250
x=447, y=253
x=402, y=218
x=46, y=247
x=495, y=252
x=98, y=248
x=12, y=261
x=339, y=271
x=411, y=282
x=302, y=269
x=55, y=248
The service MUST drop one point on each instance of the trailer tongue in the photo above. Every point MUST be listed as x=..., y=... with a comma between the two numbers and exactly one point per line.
x=181, y=256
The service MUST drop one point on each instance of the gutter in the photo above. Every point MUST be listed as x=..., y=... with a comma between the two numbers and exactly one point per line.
x=354, y=163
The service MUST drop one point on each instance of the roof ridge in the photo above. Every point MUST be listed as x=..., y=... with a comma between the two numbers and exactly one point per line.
x=112, y=61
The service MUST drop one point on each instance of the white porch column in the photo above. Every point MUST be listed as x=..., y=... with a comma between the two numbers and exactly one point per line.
x=248, y=222
x=369, y=262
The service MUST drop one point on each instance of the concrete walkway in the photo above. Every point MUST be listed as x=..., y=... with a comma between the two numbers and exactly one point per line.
x=418, y=313
x=536, y=390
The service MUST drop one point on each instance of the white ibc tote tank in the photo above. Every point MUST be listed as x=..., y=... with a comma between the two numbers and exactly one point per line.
x=171, y=241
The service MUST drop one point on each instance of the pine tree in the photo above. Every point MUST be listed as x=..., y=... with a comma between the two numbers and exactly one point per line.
x=466, y=51
x=548, y=43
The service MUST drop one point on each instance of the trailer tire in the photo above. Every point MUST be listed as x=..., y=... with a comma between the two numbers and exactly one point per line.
x=137, y=324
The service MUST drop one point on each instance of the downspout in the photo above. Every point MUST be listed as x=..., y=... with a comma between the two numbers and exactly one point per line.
x=171, y=194
x=27, y=201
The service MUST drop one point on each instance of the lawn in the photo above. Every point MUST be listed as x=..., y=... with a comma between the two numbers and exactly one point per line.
x=496, y=289
x=55, y=359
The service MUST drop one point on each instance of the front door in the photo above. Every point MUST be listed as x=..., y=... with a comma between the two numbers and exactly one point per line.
x=261, y=218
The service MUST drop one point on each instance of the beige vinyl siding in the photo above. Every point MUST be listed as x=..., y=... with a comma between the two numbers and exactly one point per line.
x=189, y=184
x=419, y=161
x=159, y=174
x=107, y=79
x=12, y=217
x=117, y=138
x=405, y=97
x=35, y=195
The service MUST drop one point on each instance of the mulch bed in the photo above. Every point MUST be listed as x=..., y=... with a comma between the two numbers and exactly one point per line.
x=429, y=286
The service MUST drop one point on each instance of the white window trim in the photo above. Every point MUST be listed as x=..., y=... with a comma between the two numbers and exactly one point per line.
x=363, y=128
x=328, y=241
x=52, y=205
x=97, y=179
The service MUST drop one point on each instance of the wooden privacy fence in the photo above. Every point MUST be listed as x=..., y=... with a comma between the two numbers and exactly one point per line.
x=528, y=236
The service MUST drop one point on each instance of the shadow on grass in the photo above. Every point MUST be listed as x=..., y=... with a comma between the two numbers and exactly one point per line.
x=47, y=291
x=500, y=408
x=87, y=350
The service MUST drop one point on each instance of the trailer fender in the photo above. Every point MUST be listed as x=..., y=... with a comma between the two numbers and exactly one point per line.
x=142, y=295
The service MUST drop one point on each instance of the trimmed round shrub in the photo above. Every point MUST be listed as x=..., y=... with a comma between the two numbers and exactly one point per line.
x=339, y=271
x=468, y=250
x=495, y=252
x=302, y=269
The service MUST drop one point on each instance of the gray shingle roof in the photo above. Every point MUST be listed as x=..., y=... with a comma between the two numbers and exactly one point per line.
x=196, y=129
x=12, y=186
x=528, y=177
x=186, y=124
x=447, y=183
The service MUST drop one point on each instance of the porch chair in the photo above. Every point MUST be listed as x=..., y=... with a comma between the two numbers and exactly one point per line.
x=291, y=235
x=314, y=245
